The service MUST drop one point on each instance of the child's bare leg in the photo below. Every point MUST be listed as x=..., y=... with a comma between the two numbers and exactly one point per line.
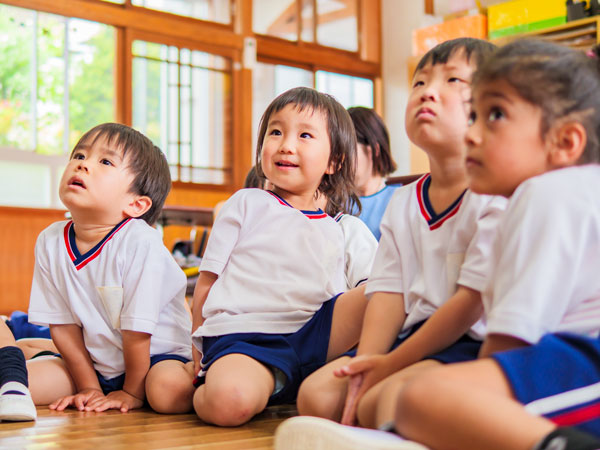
x=346, y=322
x=49, y=380
x=6, y=337
x=237, y=388
x=323, y=394
x=169, y=387
x=33, y=346
x=469, y=405
x=378, y=406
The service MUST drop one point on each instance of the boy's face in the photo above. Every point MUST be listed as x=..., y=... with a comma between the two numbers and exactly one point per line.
x=295, y=151
x=437, y=109
x=504, y=143
x=96, y=183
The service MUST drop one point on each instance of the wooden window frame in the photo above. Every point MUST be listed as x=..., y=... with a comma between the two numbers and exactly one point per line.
x=132, y=22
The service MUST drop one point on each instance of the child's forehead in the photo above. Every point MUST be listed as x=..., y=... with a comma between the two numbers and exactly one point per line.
x=458, y=60
x=101, y=141
x=311, y=112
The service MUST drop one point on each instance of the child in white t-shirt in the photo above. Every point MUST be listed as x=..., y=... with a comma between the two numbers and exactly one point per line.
x=110, y=291
x=535, y=139
x=431, y=263
x=267, y=306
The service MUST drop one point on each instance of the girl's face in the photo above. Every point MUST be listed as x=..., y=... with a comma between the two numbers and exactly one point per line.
x=364, y=166
x=295, y=154
x=504, y=140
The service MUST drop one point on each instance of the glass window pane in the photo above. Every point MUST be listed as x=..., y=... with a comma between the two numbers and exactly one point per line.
x=337, y=25
x=182, y=101
x=33, y=181
x=115, y=1
x=277, y=18
x=16, y=78
x=56, y=83
x=91, y=76
x=270, y=80
x=308, y=21
x=348, y=90
x=211, y=10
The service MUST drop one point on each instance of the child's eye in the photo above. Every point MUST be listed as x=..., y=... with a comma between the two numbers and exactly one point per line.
x=78, y=156
x=472, y=118
x=305, y=135
x=454, y=80
x=418, y=83
x=106, y=162
x=495, y=114
x=275, y=132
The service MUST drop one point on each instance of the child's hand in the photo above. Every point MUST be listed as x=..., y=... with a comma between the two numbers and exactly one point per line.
x=364, y=372
x=79, y=400
x=197, y=356
x=120, y=400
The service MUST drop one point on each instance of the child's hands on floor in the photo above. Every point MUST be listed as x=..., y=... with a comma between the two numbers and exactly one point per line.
x=78, y=401
x=120, y=400
x=364, y=372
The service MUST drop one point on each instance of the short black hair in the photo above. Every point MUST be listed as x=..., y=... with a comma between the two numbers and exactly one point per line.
x=441, y=53
x=151, y=174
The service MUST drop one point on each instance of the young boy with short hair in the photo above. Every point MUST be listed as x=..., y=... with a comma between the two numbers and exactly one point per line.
x=430, y=267
x=110, y=291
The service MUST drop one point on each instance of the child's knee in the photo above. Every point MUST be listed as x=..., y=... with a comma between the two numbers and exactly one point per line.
x=413, y=397
x=227, y=405
x=321, y=398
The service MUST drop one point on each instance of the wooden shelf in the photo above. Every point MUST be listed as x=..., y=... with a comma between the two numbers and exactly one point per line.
x=581, y=34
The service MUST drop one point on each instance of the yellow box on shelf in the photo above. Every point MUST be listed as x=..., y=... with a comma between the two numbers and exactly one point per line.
x=521, y=16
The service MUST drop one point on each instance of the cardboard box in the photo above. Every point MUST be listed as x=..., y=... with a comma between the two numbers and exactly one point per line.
x=469, y=26
x=521, y=16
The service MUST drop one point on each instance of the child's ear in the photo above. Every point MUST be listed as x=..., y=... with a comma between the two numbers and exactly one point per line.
x=571, y=139
x=138, y=206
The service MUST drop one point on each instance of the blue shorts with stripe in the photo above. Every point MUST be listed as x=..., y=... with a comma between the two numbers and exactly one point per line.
x=558, y=378
x=294, y=355
x=464, y=349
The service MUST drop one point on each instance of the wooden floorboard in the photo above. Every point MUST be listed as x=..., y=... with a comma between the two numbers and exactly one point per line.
x=139, y=429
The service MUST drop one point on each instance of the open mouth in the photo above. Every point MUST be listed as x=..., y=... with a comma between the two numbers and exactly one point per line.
x=285, y=164
x=76, y=182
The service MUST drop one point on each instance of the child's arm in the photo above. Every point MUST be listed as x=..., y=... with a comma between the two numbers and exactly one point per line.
x=68, y=339
x=136, y=352
x=383, y=321
x=498, y=343
x=203, y=286
x=452, y=320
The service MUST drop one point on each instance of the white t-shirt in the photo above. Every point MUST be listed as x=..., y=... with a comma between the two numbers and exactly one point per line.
x=129, y=281
x=360, y=246
x=547, y=258
x=425, y=256
x=276, y=265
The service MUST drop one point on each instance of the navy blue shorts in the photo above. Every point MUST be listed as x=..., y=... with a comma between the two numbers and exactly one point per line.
x=21, y=328
x=116, y=384
x=465, y=349
x=296, y=355
x=558, y=378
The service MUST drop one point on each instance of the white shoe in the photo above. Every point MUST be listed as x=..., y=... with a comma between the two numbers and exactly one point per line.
x=313, y=433
x=17, y=406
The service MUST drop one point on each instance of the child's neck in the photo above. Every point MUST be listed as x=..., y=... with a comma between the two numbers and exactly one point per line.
x=88, y=234
x=448, y=182
x=302, y=202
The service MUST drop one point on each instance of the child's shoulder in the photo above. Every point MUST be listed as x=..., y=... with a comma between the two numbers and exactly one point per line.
x=561, y=185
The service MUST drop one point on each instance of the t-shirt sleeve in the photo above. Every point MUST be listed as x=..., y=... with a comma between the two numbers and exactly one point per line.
x=530, y=292
x=151, y=279
x=361, y=246
x=224, y=234
x=386, y=275
x=47, y=304
x=477, y=265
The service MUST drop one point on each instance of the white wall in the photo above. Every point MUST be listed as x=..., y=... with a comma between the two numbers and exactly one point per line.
x=400, y=17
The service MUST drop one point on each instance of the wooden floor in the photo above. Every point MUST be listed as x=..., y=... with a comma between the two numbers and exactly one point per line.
x=139, y=429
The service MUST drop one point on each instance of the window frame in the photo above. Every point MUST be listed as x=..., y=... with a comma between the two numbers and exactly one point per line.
x=133, y=22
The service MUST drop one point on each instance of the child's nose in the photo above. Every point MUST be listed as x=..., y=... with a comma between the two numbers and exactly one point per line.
x=287, y=146
x=81, y=165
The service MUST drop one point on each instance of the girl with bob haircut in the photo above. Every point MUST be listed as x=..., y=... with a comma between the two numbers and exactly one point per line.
x=267, y=307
